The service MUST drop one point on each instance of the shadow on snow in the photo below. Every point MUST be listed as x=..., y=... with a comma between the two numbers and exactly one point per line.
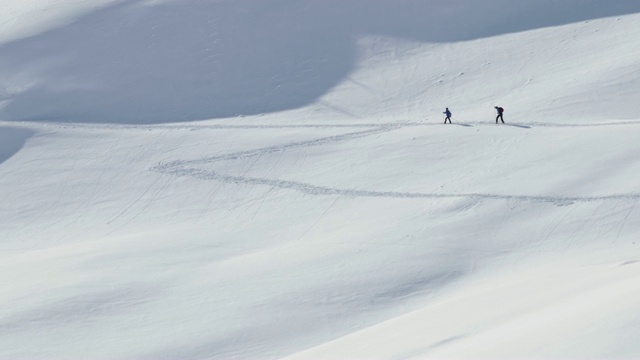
x=11, y=141
x=138, y=62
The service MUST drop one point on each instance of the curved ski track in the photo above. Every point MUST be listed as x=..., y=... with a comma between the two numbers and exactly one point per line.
x=190, y=167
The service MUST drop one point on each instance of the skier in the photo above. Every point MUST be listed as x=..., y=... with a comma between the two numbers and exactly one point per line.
x=500, y=110
x=448, y=114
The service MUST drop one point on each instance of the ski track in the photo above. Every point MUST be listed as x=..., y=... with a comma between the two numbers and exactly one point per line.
x=189, y=168
x=524, y=125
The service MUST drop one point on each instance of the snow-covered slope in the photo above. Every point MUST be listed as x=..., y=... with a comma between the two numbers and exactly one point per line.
x=247, y=179
x=167, y=61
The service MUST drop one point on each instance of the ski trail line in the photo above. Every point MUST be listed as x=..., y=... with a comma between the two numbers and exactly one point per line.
x=189, y=168
x=322, y=190
x=409, y=123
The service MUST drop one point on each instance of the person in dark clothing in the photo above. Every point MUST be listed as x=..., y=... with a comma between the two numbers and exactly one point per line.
x=500, y=110
x=448, y=114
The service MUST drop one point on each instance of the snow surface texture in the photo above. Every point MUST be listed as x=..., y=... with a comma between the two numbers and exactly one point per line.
x=262, y=179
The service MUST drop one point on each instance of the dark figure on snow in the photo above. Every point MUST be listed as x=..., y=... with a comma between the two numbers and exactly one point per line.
x=500, y=110
x=448, y=114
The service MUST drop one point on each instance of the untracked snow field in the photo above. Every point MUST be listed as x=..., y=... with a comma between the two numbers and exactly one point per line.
x=188, y=179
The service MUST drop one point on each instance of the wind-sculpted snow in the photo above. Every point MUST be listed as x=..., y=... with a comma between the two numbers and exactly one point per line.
x=183, y=60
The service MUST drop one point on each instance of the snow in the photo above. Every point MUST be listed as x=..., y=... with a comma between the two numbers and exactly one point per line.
x=247, y=179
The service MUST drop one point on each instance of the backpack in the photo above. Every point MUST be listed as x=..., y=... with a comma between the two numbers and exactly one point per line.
x=501, y=109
